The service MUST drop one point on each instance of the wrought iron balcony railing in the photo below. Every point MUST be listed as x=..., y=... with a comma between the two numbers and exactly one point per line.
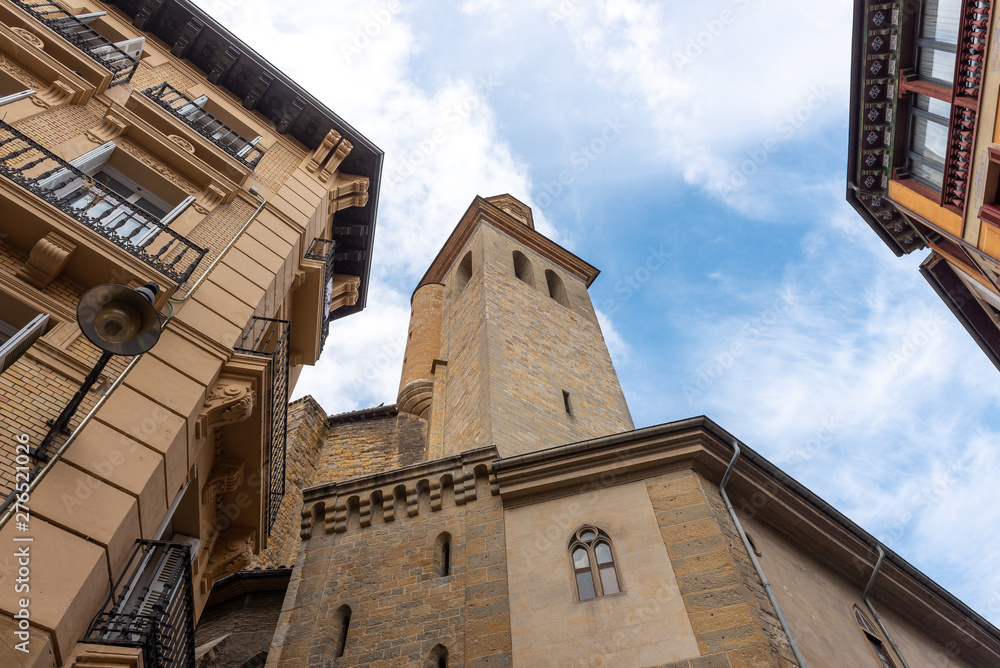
x=191, y=112
x=79, y=34
x=268, y=337
x=141, y=234
x=152, y=607
x=323, y=250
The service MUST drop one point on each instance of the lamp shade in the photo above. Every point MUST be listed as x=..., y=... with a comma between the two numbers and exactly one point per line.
x=120, y=320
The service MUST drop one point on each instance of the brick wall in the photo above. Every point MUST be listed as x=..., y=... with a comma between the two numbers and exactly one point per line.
x=730, y=613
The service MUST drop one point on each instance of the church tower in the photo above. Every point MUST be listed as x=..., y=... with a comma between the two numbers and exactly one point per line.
x=504, y=347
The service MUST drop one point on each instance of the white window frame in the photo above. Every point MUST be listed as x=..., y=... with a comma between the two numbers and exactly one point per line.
x=24, y=338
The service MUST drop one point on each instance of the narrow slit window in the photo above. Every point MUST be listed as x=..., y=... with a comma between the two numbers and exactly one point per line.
x=556, y=288
x=343, y=617
x=442, y=555
x=522, y=268
x=566, y=403
x=464, y=273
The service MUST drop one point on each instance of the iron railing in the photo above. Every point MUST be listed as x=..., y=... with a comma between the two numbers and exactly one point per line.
x=141, y=234
x=207, y=125
x=79, y=34
x=323, y=250
x=269, y=337
x=151, y=606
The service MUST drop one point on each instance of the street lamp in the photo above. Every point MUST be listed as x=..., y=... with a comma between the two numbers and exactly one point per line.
x=119, y=321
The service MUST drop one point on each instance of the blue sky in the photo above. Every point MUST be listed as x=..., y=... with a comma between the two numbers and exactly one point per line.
x=702, y=152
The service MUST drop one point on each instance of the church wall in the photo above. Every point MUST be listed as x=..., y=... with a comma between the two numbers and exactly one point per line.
x=818, y=604
x=644, y=625
x=539, y=348
x=728, y=608
x=401, y=607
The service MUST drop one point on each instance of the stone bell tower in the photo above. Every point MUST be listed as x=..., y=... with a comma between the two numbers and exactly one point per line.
x=504, y=347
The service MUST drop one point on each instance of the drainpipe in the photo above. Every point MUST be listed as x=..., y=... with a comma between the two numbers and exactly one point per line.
x=871, y=608
x=36, y=477
x=753, y=559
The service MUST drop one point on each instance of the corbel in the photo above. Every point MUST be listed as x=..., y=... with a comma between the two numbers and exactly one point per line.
x=351, y=193
x=231, y=400
x=47, y=259
x=325, y=146
x=232, y=552
x=58, y=93
x=213, y=195
x=341, y=152
x=227, y=475
x=345, y=290
x=112, y=125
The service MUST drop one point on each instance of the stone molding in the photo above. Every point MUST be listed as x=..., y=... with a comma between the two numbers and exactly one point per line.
x=361, y=502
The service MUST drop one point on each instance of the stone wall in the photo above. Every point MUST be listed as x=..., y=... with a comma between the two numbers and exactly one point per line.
x=730, y=613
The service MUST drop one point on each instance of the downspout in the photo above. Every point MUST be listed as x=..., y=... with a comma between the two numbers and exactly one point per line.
x=37, y=477
x=753, y=559
x=871, y=608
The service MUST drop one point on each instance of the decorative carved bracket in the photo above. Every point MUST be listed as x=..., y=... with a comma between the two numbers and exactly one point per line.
x=345, y=291
x=46, y=261
x=353, y=193
x=227, y=475
x=58, y=93
x=233, y=551
x=231, y=400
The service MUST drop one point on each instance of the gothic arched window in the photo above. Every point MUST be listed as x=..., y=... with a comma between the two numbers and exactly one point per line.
x=873, y=639
x=593, y=558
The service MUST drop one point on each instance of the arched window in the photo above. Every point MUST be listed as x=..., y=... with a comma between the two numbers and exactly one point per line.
x=438, y=658
x=342, y=621
x=522, y=268
x=556, y=288
x=873, y=639
x=593, y=560
x=464, y=273
x=442, y=555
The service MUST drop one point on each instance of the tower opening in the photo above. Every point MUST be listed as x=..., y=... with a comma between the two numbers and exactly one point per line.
x=464, y=273
x=522, y=268
x=556, y=288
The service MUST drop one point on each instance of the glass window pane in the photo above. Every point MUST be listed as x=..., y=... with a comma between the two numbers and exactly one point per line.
x=150, y=208
x=932, y=105
x=932, y=176
x=940, y=20
x=588, y=535
x=113, y=185
x=609, y=580
x=929, y=140
x=603, y=553
x=580, y=558
x=585, y=584
x=935, y=64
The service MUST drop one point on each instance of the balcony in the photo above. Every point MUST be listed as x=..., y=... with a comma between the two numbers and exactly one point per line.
x=268, y=337
x=323, y=251
x=193, y=114
x=138, y=232
x=83, y=37
x=151, y=607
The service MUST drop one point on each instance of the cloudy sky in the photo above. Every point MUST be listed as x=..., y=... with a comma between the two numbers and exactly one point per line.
x=695, y=152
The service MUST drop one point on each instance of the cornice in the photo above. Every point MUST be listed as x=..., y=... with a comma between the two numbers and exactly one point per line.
x=483, y=211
